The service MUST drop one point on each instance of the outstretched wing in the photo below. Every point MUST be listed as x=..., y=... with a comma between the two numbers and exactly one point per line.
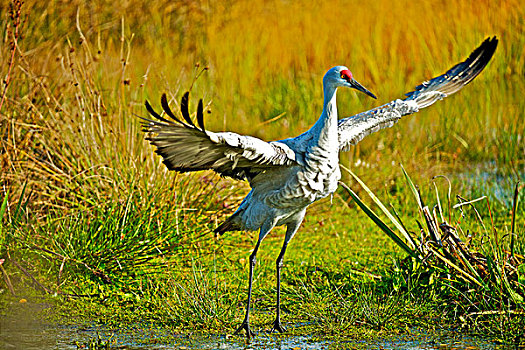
x=187, y=147
x=354, y=129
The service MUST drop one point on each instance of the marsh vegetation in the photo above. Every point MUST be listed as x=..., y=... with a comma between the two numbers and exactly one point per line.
x=90, y=217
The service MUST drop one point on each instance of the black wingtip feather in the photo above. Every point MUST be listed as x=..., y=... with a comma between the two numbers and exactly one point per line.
x=153, y=113
x=184, y=107
x=466, y=70
x=167, y=109
x=151, y=110
x=200, y=115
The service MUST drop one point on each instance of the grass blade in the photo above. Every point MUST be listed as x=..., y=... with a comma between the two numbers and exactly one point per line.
x=392, y=218
x=4, y=205
x=381, y=224
x=19, y=206
x=512, y=224
x=438, y=201
x=402, y=224
x=412, y=188
x=2, y=211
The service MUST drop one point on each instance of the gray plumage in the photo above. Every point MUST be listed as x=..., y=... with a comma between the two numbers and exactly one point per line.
x=287, y=176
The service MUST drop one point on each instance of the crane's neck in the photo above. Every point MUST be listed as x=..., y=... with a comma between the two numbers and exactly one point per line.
x=330, y=102
x=325, y=129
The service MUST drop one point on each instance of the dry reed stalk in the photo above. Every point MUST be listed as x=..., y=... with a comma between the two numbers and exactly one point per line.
x=15, y=11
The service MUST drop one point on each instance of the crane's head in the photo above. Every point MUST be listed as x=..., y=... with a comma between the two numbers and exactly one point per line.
x=341, y=76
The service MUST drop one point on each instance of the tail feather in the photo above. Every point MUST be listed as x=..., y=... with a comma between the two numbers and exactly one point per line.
x=231, y=224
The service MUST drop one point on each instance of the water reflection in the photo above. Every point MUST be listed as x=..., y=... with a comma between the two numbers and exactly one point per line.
x=23, y=327
x=489, y=179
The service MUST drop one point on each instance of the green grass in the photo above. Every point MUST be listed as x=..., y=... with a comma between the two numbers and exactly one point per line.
x=90, y=214
x=475, y=266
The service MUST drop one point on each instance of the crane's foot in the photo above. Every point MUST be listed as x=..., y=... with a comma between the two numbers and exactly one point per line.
x=246, y=326
x=277, y=326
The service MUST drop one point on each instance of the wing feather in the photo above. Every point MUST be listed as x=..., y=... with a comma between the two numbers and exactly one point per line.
x=354, y=129
x=200, y=116
x=186, y=147
x=167, y=109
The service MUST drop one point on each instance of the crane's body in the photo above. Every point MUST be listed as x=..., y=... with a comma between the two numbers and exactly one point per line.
x=280, y=195
x=287, y=176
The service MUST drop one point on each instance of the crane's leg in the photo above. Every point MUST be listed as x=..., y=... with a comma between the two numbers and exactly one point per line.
x=279, y=263
x=246, y=323
x=291, y=229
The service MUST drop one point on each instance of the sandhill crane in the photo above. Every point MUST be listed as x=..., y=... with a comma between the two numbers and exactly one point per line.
x=287, y=176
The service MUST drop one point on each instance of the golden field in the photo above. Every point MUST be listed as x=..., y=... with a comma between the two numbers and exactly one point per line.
x=83, y=70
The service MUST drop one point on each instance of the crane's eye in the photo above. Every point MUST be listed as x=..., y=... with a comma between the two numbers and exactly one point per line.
x=342, y=76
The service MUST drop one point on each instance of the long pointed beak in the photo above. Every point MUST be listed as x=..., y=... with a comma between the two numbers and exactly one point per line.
x=361, y=88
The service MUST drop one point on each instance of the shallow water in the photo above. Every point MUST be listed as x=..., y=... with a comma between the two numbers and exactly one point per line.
x=488, y=179
x=22, y=328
